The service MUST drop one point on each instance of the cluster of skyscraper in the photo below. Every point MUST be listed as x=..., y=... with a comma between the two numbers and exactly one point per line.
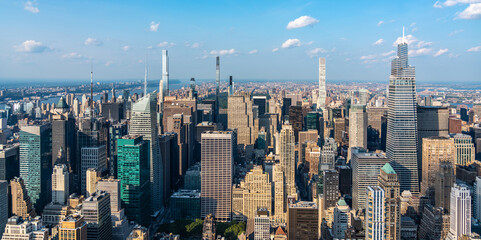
x=292, y=164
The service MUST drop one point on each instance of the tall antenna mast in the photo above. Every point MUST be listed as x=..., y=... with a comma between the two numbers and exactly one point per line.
x=145, y=78
x=403, y=36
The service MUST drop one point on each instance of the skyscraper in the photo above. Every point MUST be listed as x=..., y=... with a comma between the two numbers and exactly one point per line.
x=436, y=151
x=133, y=172
x=303, y=220
x=63, y=135
x=321, y=100
x=217, y=85
x=21, y=203
x=388, y=180
x=402, y=129
x=94, y=158
x=288, y=158
x=460, y=212
x=3, y=205
x=60, y=184
x=96, y=211
x=357, y=127
x=144, y=123
x=73, y=227
x=216, y=175
x=165, y=73
x=375, y=214
x=465, y=150
x=240, y=116
x=262, y=225
x=365, y=171
x=341, y=219
x=36, y=162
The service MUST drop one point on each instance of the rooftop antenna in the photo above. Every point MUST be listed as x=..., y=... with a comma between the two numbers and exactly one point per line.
x=145, y=78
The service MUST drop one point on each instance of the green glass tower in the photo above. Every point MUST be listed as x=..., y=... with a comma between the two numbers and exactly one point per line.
x=36, y=162
x=133, y=172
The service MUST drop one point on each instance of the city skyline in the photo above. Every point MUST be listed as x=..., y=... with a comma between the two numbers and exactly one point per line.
x=69, y=35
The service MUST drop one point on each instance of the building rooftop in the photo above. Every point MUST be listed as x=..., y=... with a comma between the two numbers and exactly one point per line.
x=303, y=204
x=186, y=193
x=387, y=168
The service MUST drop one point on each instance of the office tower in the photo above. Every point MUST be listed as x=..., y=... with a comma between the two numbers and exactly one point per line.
x=375, y=219
x=280, y=200
x=313, y=155
x=357, y=127
x=231, y=86
x=321, y=100
x=436, y=151
x=192, y=178
x=262, y=224
x=139, y=233
x=315, y=121
x=216, y=175
x=345, y=179
x=261, y=102
x=286, y=104
x=116, y=131
x=339, y=129
x=21, y=203
x=365, y=169
x=73, y=227
x=36, y=162
x=133, y=173
x=477, y=199
x=329, y=153
x=113, y=111
x=402, y=133
x=303, y=138
x=20, y=229
x=374, y=115
x=330, y=188
x=120, y=223
x=91, y=176
x=296, y=120
x=434, y=223
x=63, y=134
x=96, y=212
x=92, y=158
x=255, y=192
x=455, y=125
x=288, y=158
x=432, y=121
x=341, y=219
x=185, y=204
x=217, y=85
x=9, y=162
x=388, y=181
x=60, y=184
x=303, y=220
x=144, y=123
x=3, y=205
x=460, y=212
x=240, y=116
x=165, y=73
x=444, y=181
x=465, y=151
x=208, y=230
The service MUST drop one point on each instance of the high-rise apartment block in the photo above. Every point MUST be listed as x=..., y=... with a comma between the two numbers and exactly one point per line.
x=321, y=99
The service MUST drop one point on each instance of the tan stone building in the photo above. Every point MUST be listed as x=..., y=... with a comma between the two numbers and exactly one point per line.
x=240, y=116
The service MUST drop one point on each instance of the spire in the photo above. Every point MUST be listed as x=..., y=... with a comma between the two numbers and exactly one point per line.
x=145, y=77
x=91, y=85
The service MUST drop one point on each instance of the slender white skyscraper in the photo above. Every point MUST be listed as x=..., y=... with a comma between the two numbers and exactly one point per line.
x=165, y=72
x=60, y=184
x=375, y=228
x=402, y=131
x=321, y=99
x=460, y=212
x=217, y=84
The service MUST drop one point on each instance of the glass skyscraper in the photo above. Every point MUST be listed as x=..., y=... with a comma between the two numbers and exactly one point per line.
x=402, y=132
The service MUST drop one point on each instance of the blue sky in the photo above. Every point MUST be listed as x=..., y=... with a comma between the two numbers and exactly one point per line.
x=268, y=40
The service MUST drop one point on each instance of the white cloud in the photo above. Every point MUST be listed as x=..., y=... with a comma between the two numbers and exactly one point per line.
x=474, y=49
x=316, y=51
x=275, y=49
x=441, y=52
x=253, y=51
x=195, y=45
x=437, y=4
x=31, y=46
x=419, y=52
x=455, y=32
x=301, y=22
x=378, y=42
x=29, y=6
x=92, y=42
x=154, y=26
x=291, y=42
x=421, y=44
x=108, y=63
x=165, y=44
x=380, y=23
x=409, y=39
x=73, y=55
x=385, y=54
x=473, y=11
x=450, y=3
x=368, y=57
x=223, y=52
x=126, y=48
